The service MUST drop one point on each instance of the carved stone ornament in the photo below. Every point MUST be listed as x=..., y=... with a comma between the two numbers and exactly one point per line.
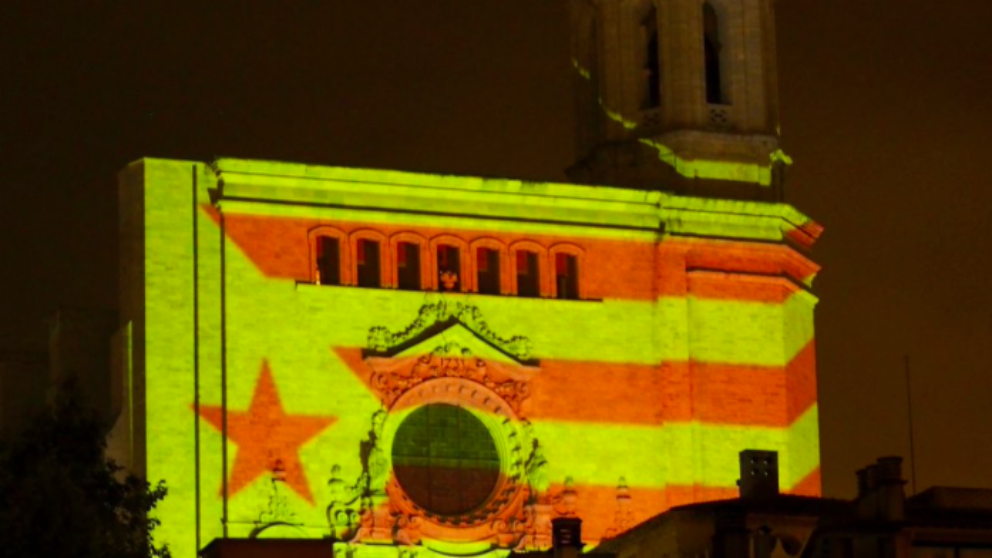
x=344, y=510
x=277, y=511
x=443, y=311
x=624, y=518
x=449, y=355
x=393, y=377
x=566, y=501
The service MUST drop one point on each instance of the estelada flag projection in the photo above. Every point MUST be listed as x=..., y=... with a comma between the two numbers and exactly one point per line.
x=429, y=360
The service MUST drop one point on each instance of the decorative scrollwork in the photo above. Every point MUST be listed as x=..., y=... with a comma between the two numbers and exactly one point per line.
x=566, y=501
x=449, y=360
x=277, y=511
x=624, y=518
x=344, y=510
x=357, y=510
x=381, y=339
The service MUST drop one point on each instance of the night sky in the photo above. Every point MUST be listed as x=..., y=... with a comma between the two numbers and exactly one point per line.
x=885, y=108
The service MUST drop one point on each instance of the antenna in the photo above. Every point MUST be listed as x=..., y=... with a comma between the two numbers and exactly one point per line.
x=912, y=444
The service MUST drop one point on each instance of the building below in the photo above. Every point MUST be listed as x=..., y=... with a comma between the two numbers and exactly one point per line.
x=759, y=523
x=941, y=522
x=881, y=522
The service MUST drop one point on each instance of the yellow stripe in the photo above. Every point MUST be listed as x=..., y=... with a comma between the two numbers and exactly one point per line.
x=681, y=454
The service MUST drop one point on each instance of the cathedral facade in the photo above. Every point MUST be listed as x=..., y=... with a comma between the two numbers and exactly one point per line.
x=412, y=363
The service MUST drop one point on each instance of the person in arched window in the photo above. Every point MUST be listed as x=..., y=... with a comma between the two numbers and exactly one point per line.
x=448, y=267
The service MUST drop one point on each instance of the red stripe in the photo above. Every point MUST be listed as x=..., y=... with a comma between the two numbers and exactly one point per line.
x=734, y=286
x=599, y=392
x=624, y=393
x=636, y=270
x=764, y=259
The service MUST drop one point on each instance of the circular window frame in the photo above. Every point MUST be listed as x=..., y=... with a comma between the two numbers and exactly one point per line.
x=472, y=424
x=502, y=423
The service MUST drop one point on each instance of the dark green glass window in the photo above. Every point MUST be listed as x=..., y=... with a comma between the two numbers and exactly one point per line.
x=445, y=459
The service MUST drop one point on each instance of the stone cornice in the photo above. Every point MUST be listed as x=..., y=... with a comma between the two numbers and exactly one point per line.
x=266, y=183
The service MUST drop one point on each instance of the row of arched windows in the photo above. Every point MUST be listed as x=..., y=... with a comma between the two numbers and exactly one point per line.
x=409, y=261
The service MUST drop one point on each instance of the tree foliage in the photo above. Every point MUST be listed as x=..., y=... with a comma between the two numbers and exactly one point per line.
x=61, y=497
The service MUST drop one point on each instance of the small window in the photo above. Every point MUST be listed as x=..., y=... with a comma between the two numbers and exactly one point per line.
x=328, y=261
x=448, y=267
x=408, y=266
x=369, y=271
x=651, y=70
x=487, y=264
x=567, y=276
x=715, y=94
x=528, y=274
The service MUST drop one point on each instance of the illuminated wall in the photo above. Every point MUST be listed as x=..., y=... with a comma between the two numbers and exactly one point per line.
x=687, y=337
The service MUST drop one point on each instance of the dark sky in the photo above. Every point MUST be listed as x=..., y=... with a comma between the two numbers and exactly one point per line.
x=885, y=107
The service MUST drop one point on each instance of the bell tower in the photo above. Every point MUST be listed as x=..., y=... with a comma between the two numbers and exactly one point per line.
x=678, y=95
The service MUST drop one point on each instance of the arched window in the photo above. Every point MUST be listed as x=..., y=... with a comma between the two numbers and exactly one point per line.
x=531, y=277
x=712, y=46
x=450, y=258
x=328, y=261
x=409, y=261
x=651, y=55
x=566, y=262
x=408, y=266
x=490, y=267
x=449, y=265
x=528, y=273
x=368, y=258
x=329, y=256
x=371, y=263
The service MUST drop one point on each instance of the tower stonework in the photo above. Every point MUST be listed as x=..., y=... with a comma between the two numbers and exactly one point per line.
x=415, y=364
x=679, y=96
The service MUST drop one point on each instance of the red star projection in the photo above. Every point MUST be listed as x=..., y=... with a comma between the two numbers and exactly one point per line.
x=267, y=437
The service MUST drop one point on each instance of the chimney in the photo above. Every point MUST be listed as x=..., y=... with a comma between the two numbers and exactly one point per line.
x=892, y=497
x=759, y=474
x=871, y=477
x=862, y=482
x=880, y=491
x=566, y=537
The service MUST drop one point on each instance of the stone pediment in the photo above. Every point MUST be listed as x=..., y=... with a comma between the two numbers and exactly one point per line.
x=457, y=341
x=449, y=341
x=445, y=322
